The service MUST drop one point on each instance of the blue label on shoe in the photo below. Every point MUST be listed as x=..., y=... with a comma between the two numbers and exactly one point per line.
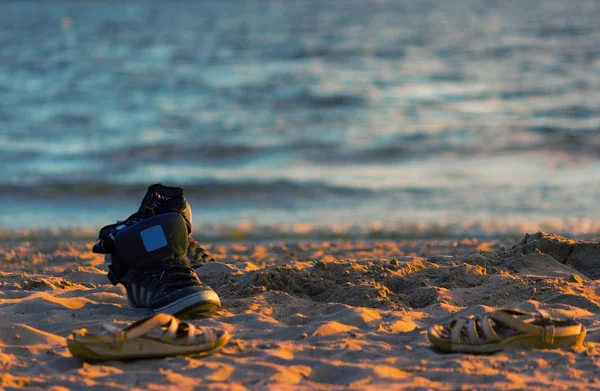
x=154, y=238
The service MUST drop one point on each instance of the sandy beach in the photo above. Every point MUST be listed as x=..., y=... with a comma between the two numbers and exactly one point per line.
x=309, y=315
x=359, y=171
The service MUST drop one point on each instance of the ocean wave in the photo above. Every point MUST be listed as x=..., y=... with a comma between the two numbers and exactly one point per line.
x=575, y=112
x=209, y=152
x=333, y=53
x=207, y=191
x=399, y=148
x=551, y=31
x=199, y=152
x=290, y=96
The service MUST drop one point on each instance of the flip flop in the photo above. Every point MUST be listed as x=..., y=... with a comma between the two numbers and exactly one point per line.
x=506, y=329
x=157, y=336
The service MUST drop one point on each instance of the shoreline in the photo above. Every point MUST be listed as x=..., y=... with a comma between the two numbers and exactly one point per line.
x=247, y=232
x=307, y=315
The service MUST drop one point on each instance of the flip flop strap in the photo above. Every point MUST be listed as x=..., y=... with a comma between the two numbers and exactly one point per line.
x=116, y=337
x=488, y=329
x=209, y=334
x=546, y=333
x=472, y=330
x=507, y=317
x=174, y=326
x=139, y=329
x=192, y=332
x=470, y=324
x=457, y=330
x=171, y=331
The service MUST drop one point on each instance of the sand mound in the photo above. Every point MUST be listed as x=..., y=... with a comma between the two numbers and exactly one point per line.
x=583, y=256
x=489, y=278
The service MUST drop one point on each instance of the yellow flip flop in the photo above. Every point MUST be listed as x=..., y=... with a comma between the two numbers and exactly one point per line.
x=157, y=336
x=506, y=329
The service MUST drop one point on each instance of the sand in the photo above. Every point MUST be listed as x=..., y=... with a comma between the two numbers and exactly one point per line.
x=310, y=315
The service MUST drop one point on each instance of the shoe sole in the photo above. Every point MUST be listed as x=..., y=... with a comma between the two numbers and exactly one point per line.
x=195, y=304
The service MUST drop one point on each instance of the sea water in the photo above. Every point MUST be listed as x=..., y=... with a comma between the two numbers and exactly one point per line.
x=441, y=116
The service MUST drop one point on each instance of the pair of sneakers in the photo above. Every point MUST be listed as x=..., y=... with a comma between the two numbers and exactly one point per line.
x=148, y=255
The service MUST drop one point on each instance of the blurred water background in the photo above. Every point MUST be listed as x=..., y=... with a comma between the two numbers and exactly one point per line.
x=432, y=118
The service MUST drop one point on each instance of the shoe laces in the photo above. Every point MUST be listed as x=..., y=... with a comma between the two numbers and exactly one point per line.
x=171, y=274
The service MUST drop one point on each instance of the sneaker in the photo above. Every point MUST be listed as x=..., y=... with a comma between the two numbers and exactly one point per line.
x=173, y=287
x=147, y=255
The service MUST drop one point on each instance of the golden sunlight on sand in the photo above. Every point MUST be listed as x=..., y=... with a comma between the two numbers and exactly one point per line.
x=308, y=315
